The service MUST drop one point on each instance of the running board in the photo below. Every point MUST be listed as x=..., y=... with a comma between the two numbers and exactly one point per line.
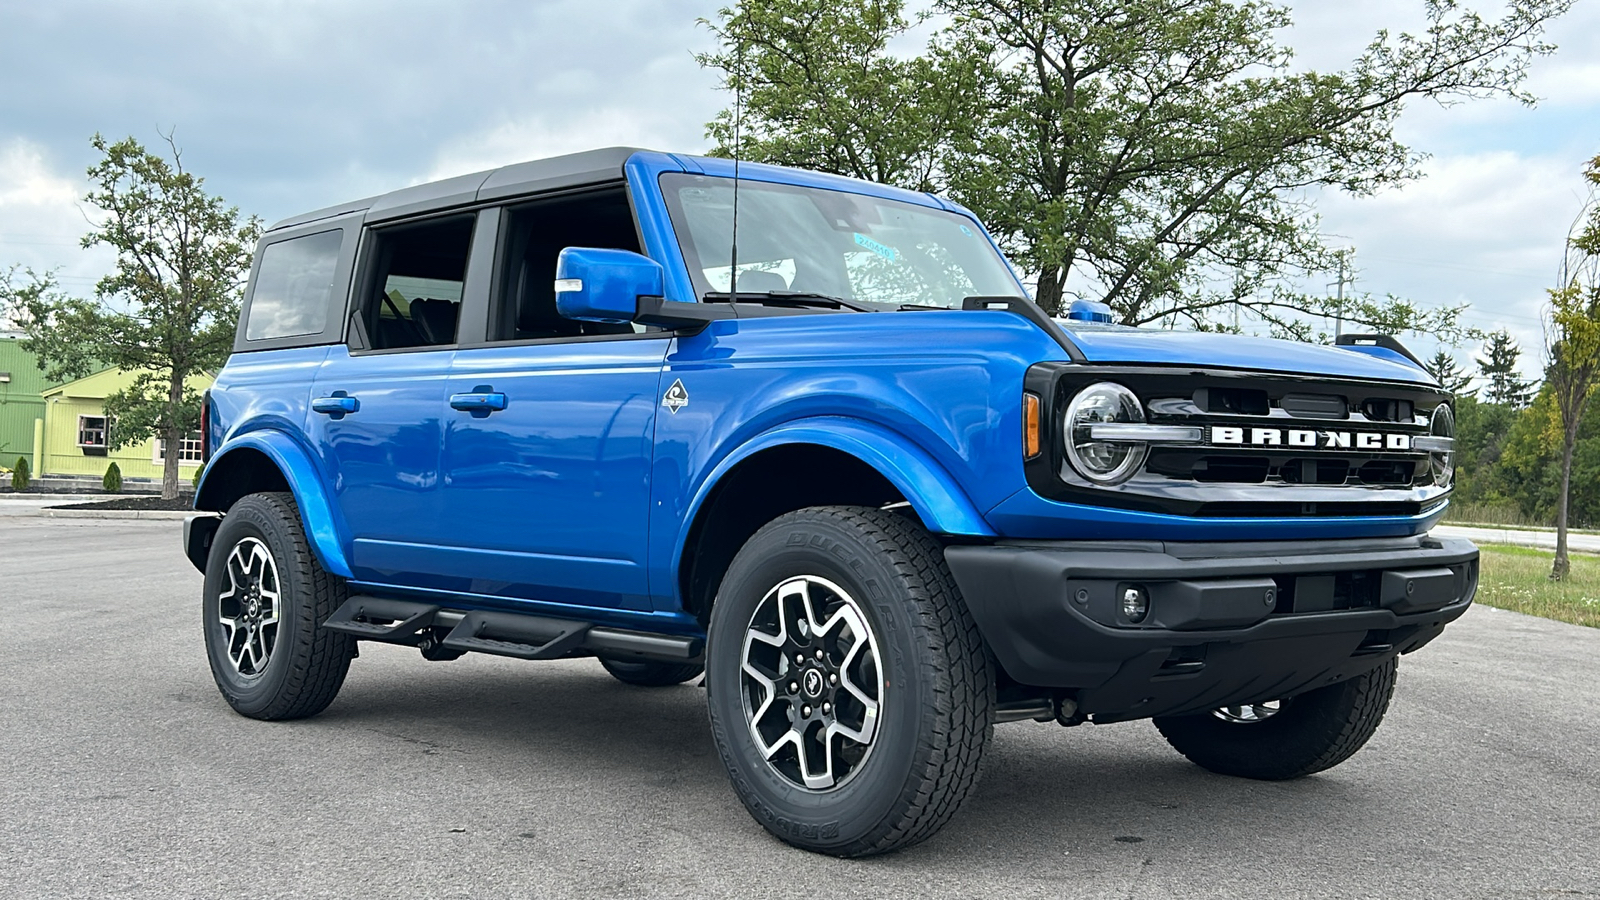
x=502, y=633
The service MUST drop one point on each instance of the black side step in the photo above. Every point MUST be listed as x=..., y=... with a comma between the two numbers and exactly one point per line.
x=396, y=620
x=523, y=637
x=503, y=633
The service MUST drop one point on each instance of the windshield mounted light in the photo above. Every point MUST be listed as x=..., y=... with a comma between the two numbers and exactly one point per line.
x=1442, y=460
x=1095, y=457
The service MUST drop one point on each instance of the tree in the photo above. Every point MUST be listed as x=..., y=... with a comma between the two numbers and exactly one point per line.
x=169, y=309
x=1445, y=370
x=1154, y=154
x=1498, y=366
x=1572, y=347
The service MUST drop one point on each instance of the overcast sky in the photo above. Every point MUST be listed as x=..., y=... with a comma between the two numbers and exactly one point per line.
x=288, y=106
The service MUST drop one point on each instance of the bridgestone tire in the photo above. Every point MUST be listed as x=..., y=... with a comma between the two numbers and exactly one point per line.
x=307, y=664
x=936, y=702
x=1310, y=732
x=651, y=673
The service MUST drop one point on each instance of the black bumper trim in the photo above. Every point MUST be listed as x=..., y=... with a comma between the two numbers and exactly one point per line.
x=1216, y=633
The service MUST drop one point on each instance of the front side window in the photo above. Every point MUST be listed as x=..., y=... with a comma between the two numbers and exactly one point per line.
x=293, y=287
x=93, y=432
x=867, y=250
x=534, y=239
x=413, y=297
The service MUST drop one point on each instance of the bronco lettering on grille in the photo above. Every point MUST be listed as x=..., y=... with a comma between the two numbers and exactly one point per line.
x=1304, y=437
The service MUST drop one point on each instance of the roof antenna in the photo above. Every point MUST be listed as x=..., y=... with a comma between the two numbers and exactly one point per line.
x=738, y=117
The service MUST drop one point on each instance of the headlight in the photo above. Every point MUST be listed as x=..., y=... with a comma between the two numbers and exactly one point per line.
x=1102, y=461
x=1442, y=463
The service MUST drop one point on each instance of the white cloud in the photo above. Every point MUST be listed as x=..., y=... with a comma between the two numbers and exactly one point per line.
x=43, y=218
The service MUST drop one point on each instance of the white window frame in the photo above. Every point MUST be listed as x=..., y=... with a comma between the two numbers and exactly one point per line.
x=105, y=432
x=191, y=450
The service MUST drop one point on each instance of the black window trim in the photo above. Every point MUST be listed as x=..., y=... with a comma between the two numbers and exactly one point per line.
x=338, y=300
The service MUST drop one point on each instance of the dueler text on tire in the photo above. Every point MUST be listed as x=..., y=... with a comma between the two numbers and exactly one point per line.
x=649, y=672
x=265, y=597
x=1299, y=736
x=851, y=694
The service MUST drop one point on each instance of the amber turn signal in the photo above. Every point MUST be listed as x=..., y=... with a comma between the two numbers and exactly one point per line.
x=1030, y=425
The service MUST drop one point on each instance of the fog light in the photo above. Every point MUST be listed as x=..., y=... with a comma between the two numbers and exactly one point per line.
x=1135, y=603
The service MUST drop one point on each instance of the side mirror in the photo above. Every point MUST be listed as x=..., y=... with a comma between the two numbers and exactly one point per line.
x=595, y=285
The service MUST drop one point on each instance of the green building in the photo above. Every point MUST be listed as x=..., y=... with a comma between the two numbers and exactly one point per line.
x=22, y=403
x=77, y=434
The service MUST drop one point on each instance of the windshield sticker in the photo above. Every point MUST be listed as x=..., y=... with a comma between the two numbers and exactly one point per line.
x=966, y=231
x=883, y=251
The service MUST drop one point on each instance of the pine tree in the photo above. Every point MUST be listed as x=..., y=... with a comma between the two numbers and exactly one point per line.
x=1499, y=367
x=1445, y=370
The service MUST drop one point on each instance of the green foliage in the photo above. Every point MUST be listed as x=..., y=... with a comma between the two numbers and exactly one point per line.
x=20, y=476
x=113, y=480
x=1445, y=370
x=169, y=309
x=1154, y=154
x=1499, y=369
x=194, y=480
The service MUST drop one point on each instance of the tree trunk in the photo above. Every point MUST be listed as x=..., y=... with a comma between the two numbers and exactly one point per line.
x=172, y=438
x=1563, y=564
x=1048, y=292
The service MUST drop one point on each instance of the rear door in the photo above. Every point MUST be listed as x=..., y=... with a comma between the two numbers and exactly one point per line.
x=375, y=419
x=548, y=426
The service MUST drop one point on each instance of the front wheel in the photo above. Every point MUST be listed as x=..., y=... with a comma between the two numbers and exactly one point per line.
x=264, y=600
x=850, y=690
x=1279, y=740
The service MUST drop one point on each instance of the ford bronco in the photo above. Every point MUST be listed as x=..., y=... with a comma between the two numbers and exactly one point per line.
x=831, y=456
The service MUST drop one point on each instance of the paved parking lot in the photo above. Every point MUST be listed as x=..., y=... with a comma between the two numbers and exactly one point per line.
x=122, y=773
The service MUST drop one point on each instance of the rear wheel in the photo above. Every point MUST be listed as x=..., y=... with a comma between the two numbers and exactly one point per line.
x=850, y=691
x=1278, y=740
x=650, y=673
x=264, y=600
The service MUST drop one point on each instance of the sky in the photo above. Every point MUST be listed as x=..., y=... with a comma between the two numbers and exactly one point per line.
x=290, y=106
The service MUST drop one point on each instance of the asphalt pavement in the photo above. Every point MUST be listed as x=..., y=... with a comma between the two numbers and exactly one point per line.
x=123, y=774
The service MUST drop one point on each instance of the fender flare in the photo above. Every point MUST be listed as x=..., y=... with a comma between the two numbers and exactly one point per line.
x=935, y=496
x=305, y=482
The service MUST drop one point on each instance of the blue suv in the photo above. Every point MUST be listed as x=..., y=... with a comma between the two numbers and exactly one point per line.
x=832, y=457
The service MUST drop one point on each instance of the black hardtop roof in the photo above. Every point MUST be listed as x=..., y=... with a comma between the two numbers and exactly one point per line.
x=571, y=170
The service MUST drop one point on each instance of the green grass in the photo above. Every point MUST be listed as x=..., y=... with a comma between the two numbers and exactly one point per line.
x=1517, y=578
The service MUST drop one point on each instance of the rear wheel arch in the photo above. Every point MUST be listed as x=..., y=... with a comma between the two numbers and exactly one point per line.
x=268, y=462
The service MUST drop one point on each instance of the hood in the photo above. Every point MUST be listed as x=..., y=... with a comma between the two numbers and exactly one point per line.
x=1234, y=351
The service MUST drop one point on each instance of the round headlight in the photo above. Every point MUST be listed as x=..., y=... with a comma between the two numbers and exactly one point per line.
x=1442, y=464
x=1104, y=462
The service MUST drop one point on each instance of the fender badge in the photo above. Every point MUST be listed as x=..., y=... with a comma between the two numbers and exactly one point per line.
x=676, y=398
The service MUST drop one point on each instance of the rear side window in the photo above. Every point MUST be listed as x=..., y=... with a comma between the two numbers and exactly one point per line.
x=293, y=287
x=414, y=296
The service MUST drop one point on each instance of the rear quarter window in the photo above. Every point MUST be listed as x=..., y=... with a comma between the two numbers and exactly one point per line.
x=293, y=286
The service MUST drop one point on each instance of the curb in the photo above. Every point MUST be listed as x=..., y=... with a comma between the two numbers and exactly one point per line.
x=169, y=514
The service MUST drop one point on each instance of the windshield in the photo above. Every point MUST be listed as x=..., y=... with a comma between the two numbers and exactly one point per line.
x=864, y=250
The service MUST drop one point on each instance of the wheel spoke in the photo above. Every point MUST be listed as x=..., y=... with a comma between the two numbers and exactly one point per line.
x=249, y=606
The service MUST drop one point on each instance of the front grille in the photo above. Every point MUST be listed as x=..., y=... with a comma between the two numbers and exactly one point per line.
x=1275, y=445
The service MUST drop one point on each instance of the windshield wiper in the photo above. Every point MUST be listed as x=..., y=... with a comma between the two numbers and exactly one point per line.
x=785, y=298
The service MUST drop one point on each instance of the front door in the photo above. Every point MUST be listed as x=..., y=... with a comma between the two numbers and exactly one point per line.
x=546, y=470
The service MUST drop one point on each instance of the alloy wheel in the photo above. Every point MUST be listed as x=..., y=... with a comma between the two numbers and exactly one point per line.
x=249, y=607
x=811, y=681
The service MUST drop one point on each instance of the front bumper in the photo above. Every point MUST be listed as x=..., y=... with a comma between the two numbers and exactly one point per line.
x=1228, y=623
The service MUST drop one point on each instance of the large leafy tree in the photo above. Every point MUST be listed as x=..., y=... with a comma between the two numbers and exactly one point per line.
x=1154, y=154
x=1572, y=348
x=169, y=309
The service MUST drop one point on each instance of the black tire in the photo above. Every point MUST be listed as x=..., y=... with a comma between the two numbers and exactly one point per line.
x=651, y=673
x=1310, y=732
x=304, y=664
x=935, y=702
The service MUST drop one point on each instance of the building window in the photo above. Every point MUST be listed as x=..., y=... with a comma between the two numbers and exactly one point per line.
x=93, y=433
x=191, y=450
